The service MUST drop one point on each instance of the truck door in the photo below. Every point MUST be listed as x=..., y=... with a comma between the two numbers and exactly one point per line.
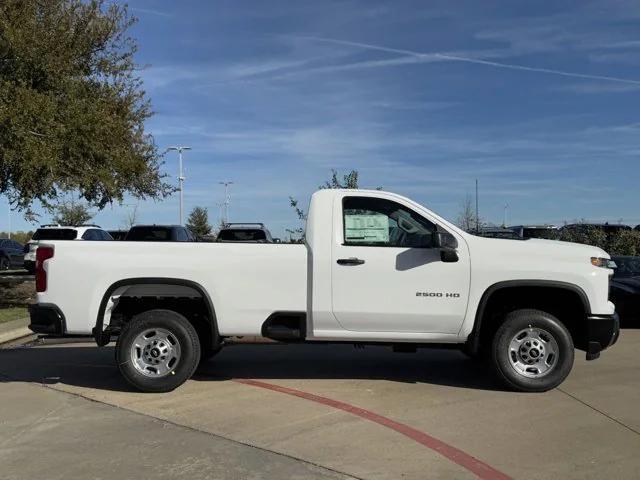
x=387, y=275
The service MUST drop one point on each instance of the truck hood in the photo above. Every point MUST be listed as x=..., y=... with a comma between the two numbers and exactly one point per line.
x=557, y=245
x=542, y=248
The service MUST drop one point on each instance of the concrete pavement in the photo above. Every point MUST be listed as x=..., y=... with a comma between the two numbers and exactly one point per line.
x=14, y=329
x=45, y=434
x=589, y=428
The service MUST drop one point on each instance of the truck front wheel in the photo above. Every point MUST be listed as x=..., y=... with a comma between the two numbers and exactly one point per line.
x=157, y=351
x=532, y=351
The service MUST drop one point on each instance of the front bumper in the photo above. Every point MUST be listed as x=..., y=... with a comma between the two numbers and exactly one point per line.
x=602, y=332
x=47, y=318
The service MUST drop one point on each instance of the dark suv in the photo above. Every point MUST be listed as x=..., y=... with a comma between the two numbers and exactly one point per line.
x=245, y=233
x=159, y=233
x=11, y=254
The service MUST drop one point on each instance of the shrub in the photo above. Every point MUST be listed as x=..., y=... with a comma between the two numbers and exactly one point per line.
x=626, y=242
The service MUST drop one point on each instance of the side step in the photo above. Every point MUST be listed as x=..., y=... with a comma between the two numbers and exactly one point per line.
x=285, y=326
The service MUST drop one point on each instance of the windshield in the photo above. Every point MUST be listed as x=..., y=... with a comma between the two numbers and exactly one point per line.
x=55, y=234
x=248, y=235
x=626, y=267
x=149, y=234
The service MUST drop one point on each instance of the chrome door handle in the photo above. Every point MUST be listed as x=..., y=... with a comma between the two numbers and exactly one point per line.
x=350, y=261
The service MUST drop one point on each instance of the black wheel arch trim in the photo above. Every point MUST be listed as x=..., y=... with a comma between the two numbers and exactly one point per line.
x=473, y=340
x=97, y=330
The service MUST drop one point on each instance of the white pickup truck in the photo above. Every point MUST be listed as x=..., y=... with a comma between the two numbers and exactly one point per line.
x=376, y=268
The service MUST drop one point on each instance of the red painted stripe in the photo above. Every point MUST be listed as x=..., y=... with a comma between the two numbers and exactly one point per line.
x=479, y=468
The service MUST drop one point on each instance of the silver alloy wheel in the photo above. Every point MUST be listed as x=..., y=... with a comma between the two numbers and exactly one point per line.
x=155, y=352
x=533, y=352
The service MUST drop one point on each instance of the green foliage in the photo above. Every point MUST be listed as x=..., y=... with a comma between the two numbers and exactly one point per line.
x=586, y=234
x=20, y=236
x=622, y=242
x=198, y=222
x=13, y=313
x=72, y=109
x=626, y=242
x=72, y=214
x=350, y=180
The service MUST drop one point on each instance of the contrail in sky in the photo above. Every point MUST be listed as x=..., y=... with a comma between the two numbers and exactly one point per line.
x=455, y=58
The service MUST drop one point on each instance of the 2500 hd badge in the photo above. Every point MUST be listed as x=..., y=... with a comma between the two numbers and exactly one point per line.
x=437, y=294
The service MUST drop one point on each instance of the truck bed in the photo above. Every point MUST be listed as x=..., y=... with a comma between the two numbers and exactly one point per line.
x=246, y=282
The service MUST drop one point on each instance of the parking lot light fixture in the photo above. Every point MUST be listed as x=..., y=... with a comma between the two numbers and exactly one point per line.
x=180, y=149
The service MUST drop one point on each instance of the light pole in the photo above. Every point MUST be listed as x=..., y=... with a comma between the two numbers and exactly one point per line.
x=504, y=218
x=227, y=200
x=221, y=218
x=180, y=175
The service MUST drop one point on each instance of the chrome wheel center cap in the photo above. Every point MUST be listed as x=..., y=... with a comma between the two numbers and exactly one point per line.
x=533, y=352
x=156, y=352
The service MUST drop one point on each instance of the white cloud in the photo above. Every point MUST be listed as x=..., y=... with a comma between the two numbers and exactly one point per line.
x=149, y=11
x=430, y=57
x=597, y=88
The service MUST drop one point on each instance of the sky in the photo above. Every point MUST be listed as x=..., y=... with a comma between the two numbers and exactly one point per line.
x=539, y=101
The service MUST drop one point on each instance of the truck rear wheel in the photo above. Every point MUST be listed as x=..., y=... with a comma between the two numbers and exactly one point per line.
x=157, y=351
x=532, y=351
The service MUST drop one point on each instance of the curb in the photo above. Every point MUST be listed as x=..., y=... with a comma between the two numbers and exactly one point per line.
x=19, y=330
x=14, y=334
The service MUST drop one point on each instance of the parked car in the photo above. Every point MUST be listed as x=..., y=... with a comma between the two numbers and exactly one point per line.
x=625, y=289
x=118, y=234
x=376, y=268
x=549, y=232
x=11, y=254
x=245, y=233
x=159, y=233
x=60, y=232
x=498, y=232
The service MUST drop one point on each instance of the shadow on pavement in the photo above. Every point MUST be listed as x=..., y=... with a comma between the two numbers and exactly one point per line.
x=92, y=367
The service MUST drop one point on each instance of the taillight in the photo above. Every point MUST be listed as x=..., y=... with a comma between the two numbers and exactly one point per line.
x=42, y=254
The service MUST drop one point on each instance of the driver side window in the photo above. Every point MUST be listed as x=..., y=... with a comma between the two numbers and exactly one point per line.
x=369, y=221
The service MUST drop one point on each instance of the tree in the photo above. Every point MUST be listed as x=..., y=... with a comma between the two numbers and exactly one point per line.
x=625, y=242
x=198, y=222
x=467, y=218
x=72, y=109
x=72, y=214
x=131, y=217
x=350, y=180
x=585, y=234
x=20, y=236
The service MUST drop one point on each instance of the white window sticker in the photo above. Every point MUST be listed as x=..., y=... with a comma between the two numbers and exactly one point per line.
x=372, y=228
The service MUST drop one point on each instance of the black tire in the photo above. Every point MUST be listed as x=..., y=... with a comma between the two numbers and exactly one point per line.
x=180, y=331
x=511, y=360
x=4, y=263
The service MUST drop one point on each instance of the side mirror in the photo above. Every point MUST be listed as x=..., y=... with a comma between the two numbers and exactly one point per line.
x=447, y=244
x=445, y=241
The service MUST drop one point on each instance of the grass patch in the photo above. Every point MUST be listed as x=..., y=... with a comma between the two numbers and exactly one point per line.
x=12, y=313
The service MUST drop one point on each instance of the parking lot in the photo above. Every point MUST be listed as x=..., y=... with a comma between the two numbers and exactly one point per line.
x=300, y=411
